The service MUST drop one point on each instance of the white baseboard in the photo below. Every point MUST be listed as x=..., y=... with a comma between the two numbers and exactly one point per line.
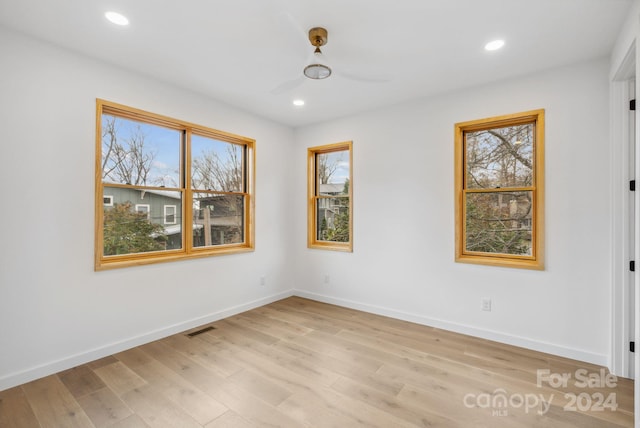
x=14, y=379
x=549, y=348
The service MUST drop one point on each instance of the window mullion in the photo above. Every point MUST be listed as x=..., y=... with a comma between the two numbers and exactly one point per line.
x=187, y=206
x=501, y=190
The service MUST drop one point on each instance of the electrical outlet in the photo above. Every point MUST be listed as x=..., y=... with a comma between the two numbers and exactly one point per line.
x=263, y=280
x=327, y=278
x=485, y=304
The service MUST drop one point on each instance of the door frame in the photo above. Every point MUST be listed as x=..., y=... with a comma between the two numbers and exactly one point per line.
x=621, y=221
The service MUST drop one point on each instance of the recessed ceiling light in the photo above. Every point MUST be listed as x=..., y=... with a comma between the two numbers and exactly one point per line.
x=117, y=18
x=494, y=45
x=298, y=103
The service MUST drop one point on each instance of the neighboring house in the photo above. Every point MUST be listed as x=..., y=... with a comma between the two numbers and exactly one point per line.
x=221, y=215
x=164, y=207
x=329, y=208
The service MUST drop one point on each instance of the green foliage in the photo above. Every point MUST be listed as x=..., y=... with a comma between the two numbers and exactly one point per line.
x=323, y=228
x=488, y=232
x=130, y=232
x=340, y=231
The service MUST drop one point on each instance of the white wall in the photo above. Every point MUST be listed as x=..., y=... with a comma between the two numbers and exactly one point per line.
x=403, y=260
x=55, y=311
x=626, y=38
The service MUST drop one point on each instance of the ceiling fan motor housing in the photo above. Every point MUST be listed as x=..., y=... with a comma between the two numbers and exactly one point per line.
x=318, y=36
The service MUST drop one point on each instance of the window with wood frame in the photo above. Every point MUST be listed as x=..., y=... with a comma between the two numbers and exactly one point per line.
x=330, y=193
x=168, y=189
x=499, y=186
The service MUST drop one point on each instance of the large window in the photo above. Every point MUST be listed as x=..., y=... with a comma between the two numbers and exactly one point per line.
x=330, y=197
x=155, y=179
x=499, y=190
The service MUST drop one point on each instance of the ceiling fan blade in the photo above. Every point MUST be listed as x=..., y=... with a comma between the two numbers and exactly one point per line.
x=288, y=85
x=299, y=36
x=337, y=70
x=364, y=79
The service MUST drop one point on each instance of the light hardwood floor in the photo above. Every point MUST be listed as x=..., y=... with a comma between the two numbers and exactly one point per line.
x=300, y=363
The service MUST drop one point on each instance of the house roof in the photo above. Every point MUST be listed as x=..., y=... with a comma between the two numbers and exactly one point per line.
x=175, y=229
x=331, y=187
x=251, y=53
x=166, y=193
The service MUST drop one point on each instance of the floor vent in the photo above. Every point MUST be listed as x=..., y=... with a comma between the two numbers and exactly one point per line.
x=202, y=330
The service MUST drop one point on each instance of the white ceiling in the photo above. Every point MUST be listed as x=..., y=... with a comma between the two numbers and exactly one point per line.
x=240, y=51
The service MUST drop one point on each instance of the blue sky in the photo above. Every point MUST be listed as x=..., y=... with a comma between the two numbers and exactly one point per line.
x=341, y=158
x=164, y=144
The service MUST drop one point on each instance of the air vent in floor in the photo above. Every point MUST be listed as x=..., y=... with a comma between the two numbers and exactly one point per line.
x=202, y=330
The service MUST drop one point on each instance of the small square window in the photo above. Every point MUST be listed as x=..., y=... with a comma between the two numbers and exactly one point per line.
x=145, y=209
x=169, y=214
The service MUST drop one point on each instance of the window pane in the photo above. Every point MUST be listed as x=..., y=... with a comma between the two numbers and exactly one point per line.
x=145, y=209
x=217, y=219
x=332, y=219
x=216, y=165
x=499, y=157
x=139, y=154
x=170, y=212
x=499, y=222
x=332, y=172
x=135, y=221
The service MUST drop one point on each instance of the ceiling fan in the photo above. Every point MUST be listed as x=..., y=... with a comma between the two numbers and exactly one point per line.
x=317, y=67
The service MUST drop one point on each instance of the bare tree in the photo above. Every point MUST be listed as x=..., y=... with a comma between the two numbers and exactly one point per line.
x=499, y=157
x=127, y=161
x=210, y=172
x=109, y=141
x=325, y=168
